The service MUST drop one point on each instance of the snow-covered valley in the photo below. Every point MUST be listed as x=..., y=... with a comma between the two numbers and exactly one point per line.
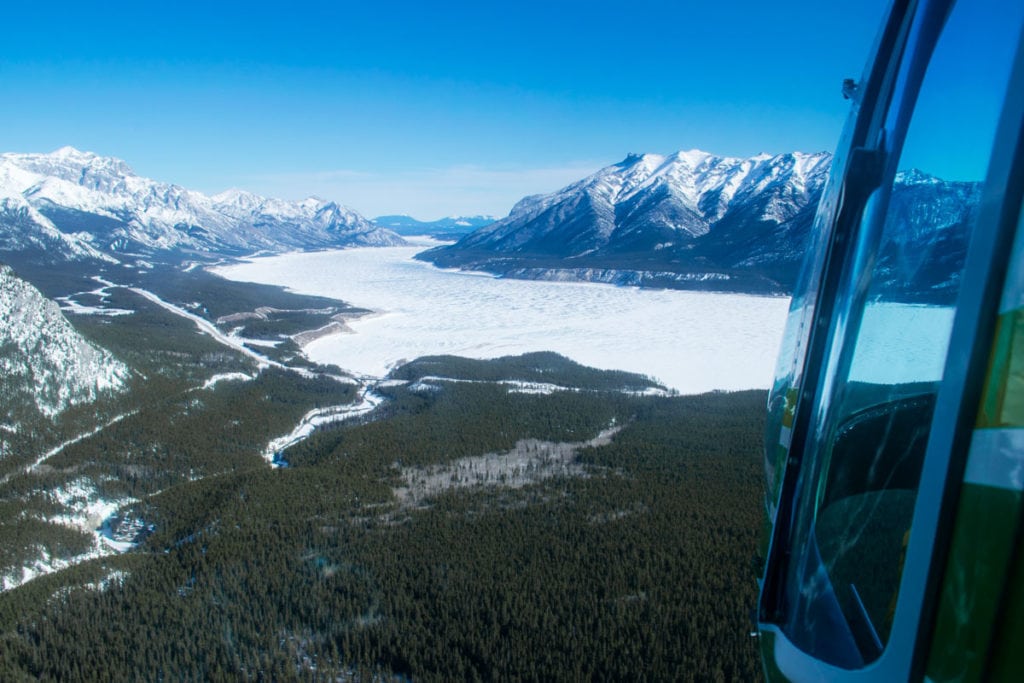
x=690, y=341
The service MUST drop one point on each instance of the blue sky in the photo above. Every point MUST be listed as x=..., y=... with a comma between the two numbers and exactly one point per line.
x=424, y=108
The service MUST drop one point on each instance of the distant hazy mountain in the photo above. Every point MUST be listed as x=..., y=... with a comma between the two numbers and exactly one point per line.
x=73, y=202
x=691, y=219
x=45, y=365
x=456, y=225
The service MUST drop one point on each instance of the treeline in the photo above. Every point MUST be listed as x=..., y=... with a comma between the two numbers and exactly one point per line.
x=220, y=296
x=640, y=570
x=544, y=367
x=454, y=420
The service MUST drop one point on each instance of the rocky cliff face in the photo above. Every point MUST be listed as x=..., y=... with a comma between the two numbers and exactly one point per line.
x=46, y=366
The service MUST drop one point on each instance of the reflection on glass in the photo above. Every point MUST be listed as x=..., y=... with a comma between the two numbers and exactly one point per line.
x=890, y=364
x=892, y=326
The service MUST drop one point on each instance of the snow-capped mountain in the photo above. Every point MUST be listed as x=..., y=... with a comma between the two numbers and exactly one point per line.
x=45, y=364
x=452, y=225
x=691, y=217
x=24, y=229
x=311, y=222
x=100, y=203
x=698, y=221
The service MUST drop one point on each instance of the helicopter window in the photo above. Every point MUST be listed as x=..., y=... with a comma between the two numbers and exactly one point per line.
x=889, y=340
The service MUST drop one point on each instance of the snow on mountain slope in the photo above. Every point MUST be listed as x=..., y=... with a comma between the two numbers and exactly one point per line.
x=101, y=201
x=45, y=365
x=694, y=220
x=310, y=222
x=23, y=228
x=686, y=212
x=681, y=195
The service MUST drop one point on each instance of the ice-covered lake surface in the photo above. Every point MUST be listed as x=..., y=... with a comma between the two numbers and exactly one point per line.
x=902, y=343
x=689, y=341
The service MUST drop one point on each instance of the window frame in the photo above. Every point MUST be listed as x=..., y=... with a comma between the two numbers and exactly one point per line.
x=905, y=654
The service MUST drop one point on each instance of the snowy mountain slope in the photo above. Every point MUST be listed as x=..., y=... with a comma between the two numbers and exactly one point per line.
x=45, y=365
x=690, y=213
x=694, y=220
x=311, y=222
x=102, y=202
x=24, y=229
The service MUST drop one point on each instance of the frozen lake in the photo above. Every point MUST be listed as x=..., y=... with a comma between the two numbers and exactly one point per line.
x=689, y=341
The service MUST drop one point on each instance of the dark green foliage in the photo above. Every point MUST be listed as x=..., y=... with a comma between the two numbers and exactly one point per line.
x=22, y=541
x=220, y=297
x=190, y=434
x=543, y=367
x=638, y=571
x=55, y=280
x=169, y=431
x=432, y=426
x=154, y=341
x=280, y=324
x=283, y=312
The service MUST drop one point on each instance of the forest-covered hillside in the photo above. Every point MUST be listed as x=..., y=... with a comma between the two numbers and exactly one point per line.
x=565, y=530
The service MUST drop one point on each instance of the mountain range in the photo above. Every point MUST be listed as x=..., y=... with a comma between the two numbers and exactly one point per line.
x=455, y=225
x=73, y=205
x=690, y=219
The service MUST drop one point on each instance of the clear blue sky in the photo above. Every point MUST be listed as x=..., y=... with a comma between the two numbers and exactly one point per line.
x=426, y=108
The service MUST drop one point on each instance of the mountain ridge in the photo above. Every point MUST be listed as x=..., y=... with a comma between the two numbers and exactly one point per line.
x=449, y=225
x=693, y=218
x=100, y=205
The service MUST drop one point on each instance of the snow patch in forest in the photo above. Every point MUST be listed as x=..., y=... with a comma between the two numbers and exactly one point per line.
x=86, y=511
x=530, y=461
x=226, y=377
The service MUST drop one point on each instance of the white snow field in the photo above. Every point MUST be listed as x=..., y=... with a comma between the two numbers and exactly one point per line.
x=690, y=341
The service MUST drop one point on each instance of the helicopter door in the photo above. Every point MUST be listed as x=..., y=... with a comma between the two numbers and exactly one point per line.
x=888, y=337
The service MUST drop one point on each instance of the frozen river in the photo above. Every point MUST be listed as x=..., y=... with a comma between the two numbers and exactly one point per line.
x=689, y=341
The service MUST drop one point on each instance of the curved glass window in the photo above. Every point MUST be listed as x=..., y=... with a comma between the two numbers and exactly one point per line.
x=889, y=338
